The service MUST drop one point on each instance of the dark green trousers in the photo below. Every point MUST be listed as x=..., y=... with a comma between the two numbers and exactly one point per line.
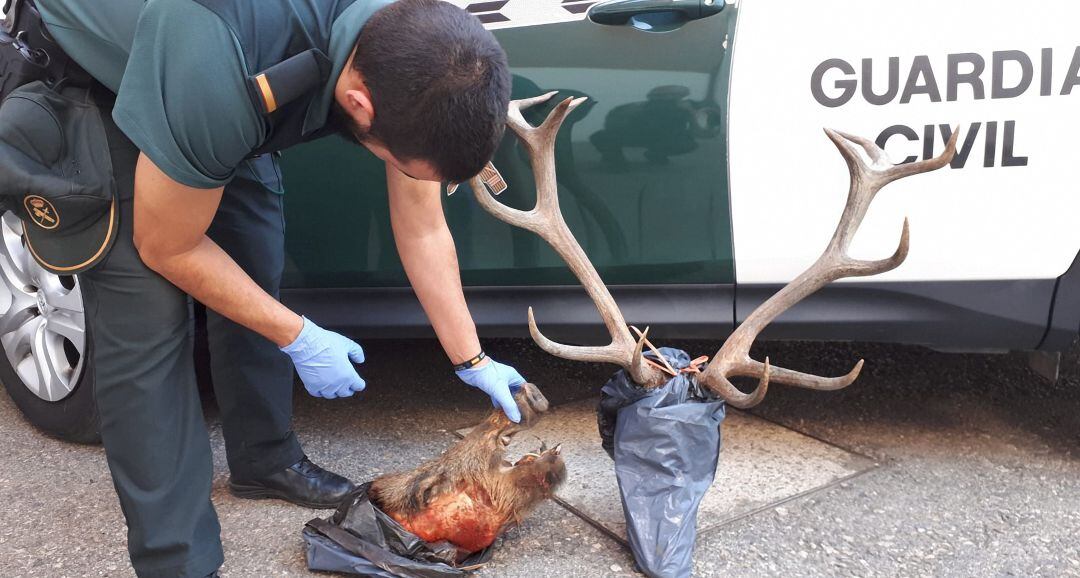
x=151, y=419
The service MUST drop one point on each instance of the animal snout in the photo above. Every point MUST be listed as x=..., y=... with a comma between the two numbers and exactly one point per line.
x=532, y=404
x=529, y=397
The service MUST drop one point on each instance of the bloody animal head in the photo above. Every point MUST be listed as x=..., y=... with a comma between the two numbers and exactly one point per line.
x=540, y=472
x=471, y=493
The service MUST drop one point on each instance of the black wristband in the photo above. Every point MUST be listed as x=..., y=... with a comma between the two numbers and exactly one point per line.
x=471, y=363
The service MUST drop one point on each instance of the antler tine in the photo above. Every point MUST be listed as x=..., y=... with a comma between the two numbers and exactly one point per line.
x=514, y=118
x=861, y=268
x=733, y=359
x=719, y=383
x=516, y=217
x=527, y=103
x=797, y=378
x=891, y=172
x=946, y=157
x=614, y=353
x=876, y=154
x=866, y=181
x=546, y=220
x=536, y=138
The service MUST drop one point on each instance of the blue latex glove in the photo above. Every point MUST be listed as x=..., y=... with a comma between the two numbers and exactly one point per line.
x=325, y=360
x=500, y=382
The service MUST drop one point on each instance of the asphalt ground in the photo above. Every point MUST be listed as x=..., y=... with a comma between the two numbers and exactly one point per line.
x=976, y=472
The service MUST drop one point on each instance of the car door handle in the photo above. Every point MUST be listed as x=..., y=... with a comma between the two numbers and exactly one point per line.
x=619, y=12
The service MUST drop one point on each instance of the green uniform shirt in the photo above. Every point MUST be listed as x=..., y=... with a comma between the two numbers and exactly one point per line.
x=179, y=75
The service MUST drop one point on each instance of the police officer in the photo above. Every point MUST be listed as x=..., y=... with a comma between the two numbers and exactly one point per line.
x=205, y=91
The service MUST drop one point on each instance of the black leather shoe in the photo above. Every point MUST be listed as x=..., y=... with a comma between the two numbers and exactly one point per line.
x=303, y=483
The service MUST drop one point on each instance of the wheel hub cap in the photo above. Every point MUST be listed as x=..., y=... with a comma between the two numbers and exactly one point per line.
x=42, y=324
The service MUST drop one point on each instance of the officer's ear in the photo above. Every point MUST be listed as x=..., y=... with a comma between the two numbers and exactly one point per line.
x=359, y=106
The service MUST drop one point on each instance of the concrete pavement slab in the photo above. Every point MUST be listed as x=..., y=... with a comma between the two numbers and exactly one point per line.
x=980, y=472
x=61, y=516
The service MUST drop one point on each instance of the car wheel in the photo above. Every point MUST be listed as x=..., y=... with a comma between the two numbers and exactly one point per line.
x=46, y=343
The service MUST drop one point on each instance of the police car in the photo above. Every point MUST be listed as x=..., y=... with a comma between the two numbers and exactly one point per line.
x=699, y=181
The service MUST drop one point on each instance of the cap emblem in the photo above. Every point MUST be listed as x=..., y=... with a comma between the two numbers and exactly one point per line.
x=42, y=212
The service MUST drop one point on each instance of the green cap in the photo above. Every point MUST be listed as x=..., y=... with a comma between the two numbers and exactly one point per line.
x=56, y=172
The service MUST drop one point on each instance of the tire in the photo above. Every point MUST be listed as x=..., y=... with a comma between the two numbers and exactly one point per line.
x=45, y=345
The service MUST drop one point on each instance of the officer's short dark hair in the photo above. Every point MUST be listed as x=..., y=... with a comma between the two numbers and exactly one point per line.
x=439, y=82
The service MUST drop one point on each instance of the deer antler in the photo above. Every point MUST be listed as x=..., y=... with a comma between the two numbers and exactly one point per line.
x=733, y=359
x=546, y=220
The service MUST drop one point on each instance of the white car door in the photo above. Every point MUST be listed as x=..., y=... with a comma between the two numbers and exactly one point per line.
x=1006, y=73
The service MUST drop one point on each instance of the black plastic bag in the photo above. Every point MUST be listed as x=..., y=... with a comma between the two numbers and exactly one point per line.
x=362, y=539
x=665, y=443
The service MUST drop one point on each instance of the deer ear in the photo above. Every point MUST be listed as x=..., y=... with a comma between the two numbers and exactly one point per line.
x=423, y=490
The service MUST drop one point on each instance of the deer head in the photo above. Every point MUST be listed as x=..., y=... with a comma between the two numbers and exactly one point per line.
x=471, y=493
x=733, y=359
